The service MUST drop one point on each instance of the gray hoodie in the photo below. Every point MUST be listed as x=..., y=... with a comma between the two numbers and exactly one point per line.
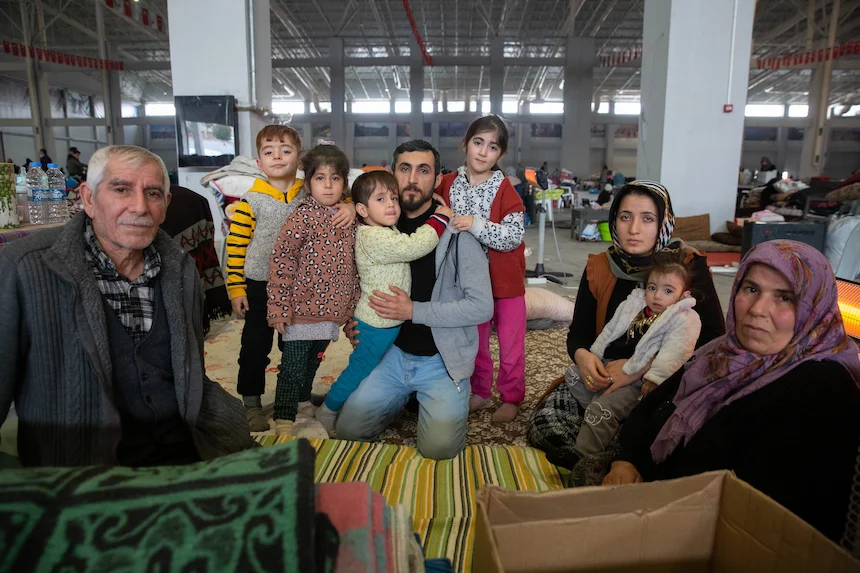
x=462, y=299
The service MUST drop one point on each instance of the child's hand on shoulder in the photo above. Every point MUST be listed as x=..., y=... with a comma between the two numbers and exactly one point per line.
x=345, y=215
x=463, y=222
x=443, y=210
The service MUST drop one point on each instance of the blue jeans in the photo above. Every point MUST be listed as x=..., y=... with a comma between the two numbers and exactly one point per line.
x=364, y=358
x=444, y=403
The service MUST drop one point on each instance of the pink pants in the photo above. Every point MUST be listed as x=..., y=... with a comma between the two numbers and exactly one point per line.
x=509, y=318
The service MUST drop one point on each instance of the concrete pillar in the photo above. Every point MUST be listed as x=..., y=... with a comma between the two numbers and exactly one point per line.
x=348, y=142
x=609, y=151
x=578, y=82
x=338, y=89
x=416, y=91
x=307, y=130
x=144, y=128
x=782, y=145
x=497, y=75
x=809, y=165
x=242, y=58
x=434, y=134
x=114, y=126
x=688, y=74
x=524, y=131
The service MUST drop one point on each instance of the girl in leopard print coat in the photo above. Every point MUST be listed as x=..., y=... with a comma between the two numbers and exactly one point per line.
x=313, y=285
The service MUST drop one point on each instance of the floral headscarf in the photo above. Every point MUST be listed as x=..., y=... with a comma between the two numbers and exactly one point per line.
x=723, y=372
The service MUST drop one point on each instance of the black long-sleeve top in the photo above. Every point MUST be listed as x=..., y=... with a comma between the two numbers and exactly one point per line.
x=583, y=328
x=796, y=440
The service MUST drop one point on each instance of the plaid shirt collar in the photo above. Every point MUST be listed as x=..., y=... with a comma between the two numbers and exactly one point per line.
x=104, y=267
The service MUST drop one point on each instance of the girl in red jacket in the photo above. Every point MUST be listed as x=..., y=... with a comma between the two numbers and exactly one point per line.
x=486, y=205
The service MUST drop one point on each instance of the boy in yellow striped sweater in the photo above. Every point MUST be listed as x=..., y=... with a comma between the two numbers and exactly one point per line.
x=256, y=223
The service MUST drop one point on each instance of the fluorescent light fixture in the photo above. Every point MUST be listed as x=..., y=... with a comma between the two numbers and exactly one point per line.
x=798, y=110
x=627, y=108
x=156, y=109
x=548, y=107
x=764, y=110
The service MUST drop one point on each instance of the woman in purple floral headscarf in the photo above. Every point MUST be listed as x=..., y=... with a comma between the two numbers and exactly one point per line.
x=775, y=399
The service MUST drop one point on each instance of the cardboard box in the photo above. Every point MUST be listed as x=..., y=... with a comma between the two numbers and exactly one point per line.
x=710, y=522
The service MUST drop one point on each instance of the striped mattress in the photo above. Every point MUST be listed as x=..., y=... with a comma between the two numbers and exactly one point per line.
x=439, y=494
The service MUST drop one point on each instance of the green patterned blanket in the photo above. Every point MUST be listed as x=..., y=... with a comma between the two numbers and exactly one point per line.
x=245, y=512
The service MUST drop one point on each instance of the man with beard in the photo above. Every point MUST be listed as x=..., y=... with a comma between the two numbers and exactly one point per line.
x=103, y=333
x=434, y=354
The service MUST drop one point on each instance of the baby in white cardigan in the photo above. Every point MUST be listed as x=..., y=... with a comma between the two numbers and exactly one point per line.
x=662, y=324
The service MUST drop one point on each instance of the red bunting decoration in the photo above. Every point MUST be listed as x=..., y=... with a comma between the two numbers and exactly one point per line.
x=812, y=57
x=620, y=58
x=51, y=56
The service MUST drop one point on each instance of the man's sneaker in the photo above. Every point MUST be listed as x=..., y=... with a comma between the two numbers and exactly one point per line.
x=257, y=421
x=328, y=418
x=309, y=427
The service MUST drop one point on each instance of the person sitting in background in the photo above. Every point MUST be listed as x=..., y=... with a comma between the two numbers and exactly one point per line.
x=605, y=196
x=775, y=399
x=604, y=176
x=44, y=158
x=74, y=167
x=103, y=334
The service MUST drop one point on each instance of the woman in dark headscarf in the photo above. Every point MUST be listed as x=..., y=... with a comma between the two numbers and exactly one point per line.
x=775, y=399
x=641, y=222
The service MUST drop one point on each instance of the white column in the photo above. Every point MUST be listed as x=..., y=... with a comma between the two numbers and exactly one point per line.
x=238, y=63
x=809, y=165
x=695, y=60
x=578, y=82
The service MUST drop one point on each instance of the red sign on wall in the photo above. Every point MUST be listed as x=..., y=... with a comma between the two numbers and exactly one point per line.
x=144, y=16
x=127, y=7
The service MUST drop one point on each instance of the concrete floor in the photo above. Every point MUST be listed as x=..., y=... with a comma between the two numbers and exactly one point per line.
x=574, y=255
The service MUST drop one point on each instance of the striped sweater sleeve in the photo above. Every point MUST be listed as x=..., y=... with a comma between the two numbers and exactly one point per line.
x=240, y=236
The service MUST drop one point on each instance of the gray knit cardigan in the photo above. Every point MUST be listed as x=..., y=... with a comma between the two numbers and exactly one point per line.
x=56, y=365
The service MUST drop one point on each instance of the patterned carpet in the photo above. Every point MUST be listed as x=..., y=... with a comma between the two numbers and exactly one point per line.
x=440, y=495
x=546, y=359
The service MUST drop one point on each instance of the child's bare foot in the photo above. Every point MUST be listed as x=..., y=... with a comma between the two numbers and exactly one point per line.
x=507, y=412
x=477, y=403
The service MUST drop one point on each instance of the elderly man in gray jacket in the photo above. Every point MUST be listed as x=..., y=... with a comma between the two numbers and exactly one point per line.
x=434, y=353
x=102, y=333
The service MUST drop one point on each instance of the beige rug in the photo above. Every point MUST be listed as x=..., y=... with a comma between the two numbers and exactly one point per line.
x=546, y=359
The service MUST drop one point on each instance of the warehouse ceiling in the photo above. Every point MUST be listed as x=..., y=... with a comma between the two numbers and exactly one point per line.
x=374, y=28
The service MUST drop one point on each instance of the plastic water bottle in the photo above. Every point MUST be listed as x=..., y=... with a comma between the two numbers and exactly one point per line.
x=57, y=206
x=37, y=188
